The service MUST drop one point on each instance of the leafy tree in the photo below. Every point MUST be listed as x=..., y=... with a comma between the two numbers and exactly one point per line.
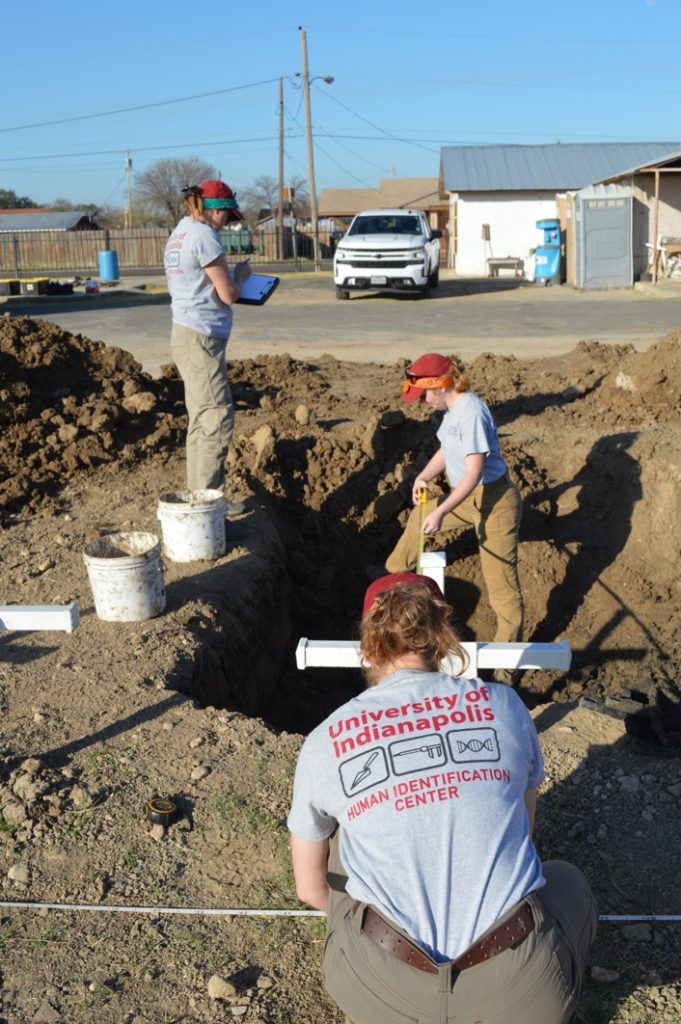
x=9, y=200
x=159, y=188
x=263, y=195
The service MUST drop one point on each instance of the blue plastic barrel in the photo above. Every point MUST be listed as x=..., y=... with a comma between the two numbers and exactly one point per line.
x=108, y=265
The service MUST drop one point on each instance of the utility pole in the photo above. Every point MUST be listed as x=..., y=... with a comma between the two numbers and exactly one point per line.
x=310, y=153
x=280, y=210
x=128, y=173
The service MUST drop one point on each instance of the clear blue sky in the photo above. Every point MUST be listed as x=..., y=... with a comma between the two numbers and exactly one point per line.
x=409, y=78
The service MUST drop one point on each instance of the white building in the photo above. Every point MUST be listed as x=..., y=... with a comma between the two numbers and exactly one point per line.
x=497, y=194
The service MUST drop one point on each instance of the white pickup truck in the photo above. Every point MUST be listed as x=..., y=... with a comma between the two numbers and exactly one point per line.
x=387, y=250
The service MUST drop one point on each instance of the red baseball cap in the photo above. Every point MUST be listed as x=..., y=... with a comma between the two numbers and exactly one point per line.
x=219, y=196
x=429, y=371
x=393, y=580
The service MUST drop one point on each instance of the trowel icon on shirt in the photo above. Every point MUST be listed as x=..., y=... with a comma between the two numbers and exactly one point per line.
x=363, y=771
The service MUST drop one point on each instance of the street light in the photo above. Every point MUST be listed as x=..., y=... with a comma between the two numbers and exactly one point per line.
x=310, y=149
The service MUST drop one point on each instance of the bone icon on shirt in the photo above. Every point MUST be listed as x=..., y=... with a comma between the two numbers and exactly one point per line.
x=413, y=755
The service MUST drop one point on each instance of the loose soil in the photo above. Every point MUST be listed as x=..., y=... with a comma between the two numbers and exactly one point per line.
x=204, y=703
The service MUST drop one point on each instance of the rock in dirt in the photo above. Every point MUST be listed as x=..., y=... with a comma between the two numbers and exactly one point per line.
x=19, y=873
x=219, y=988
x=263, y=442
x=47, y=1014
x=604, y=975
x=637, y=933
x=14, y=813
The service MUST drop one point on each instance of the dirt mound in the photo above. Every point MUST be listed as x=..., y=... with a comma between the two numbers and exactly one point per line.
x=648, y=383
x=68, y=404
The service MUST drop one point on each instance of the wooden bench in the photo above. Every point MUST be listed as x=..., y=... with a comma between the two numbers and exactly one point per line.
x=497, y=263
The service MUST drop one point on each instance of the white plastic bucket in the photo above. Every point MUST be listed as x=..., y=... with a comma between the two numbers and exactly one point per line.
x=193, y=525
x=126, y=576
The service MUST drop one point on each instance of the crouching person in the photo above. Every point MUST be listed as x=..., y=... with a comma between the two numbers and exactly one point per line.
x=411, y=822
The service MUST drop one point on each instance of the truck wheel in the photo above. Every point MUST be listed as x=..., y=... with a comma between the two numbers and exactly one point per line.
x=434, y=279
x=342, y=293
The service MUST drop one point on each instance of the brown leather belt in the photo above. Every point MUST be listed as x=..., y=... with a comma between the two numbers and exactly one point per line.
x=509, y=933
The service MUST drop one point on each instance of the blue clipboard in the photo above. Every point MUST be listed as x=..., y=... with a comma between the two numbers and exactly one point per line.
x=256, y=289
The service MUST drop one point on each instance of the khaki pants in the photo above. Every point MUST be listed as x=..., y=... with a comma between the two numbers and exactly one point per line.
x=538, y=982
x=200, y=360
x=494, y=511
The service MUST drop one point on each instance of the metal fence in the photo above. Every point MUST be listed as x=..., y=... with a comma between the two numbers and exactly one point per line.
x=26, y=252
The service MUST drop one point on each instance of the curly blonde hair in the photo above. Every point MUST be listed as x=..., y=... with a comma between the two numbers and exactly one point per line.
x=458, y=372
x=408, y=619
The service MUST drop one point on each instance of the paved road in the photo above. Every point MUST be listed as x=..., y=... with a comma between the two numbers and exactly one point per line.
x=304, y=319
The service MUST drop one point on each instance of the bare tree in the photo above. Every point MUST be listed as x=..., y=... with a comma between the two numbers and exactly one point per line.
x=159, y=188
x=262, y=197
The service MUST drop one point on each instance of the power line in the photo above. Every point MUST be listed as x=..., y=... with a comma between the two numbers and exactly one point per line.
x=333, y=161
x=476, y=83
x=140, y=106
x=609, y=41
x=371, y=123
x=139, y=149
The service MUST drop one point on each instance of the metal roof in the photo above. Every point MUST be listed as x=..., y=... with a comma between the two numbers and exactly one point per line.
x=62, y=221
x=604, y=192
x=557, y=167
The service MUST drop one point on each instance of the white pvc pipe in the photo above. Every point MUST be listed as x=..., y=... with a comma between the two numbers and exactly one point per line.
x=433, y=565
x=346, y=654
x=64, y=617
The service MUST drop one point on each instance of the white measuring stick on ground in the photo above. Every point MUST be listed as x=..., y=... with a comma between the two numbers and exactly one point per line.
x=219, y=912
x=346, y=654
x=22, y=617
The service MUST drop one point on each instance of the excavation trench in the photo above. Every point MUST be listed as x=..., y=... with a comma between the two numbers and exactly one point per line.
x=325, y=454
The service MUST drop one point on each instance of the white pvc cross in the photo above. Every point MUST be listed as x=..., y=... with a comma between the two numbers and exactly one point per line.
x=346, y=654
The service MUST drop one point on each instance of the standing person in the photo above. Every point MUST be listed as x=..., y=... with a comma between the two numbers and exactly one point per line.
x=412, y=817
x=482, y=494
x=203, y=290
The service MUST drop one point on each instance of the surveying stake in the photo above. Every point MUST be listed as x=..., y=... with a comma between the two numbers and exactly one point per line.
x=422, y=499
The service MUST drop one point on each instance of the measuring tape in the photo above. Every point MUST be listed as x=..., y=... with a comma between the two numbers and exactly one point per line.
x=422, y=494
x=161, y=812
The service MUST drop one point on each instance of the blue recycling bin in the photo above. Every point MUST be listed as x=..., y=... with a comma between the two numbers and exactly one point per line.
x=547, y=263
x=108, y=266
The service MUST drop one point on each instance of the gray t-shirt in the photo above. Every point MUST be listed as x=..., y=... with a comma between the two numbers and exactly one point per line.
x=425, y=775
x=195, y=303
x=468, y=429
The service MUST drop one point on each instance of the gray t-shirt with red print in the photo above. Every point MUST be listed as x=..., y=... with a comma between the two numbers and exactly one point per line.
x=425, y=774
x=195, y=303
x=468, y=428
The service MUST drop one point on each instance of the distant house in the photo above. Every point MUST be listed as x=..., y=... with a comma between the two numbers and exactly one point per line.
x=409, y=193
x=46, y=220
x=496, y=194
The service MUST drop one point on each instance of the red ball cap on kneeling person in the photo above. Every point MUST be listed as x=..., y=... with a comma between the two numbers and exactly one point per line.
x=217, y=195
x=429, y=371
x=394, y=580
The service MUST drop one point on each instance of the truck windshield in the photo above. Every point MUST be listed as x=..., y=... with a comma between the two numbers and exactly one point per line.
x=385, y=226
